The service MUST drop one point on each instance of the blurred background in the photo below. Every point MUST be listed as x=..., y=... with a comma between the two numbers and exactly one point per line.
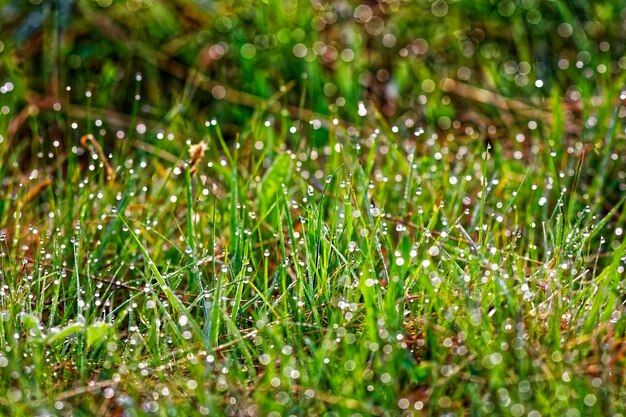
x=168, y=64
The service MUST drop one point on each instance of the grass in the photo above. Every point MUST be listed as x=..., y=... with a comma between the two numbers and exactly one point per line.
x=412, y=209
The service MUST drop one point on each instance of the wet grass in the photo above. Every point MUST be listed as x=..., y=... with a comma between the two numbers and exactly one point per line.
x=331, y=208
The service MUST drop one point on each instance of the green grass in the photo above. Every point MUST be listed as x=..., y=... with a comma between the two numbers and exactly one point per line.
x=423, y=216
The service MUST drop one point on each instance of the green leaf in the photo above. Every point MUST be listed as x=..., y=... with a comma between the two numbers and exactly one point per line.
x=273, y=180
x=63, y=333
x=98, y=333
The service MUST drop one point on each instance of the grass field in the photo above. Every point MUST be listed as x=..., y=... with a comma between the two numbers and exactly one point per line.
x=319, y=208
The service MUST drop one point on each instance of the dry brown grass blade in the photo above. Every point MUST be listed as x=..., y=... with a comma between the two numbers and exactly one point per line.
x=151, y=149
x=196, y=154
x=484, y=96
x=38, y=103
x=111, y=117
x=87, y=139
x=37, y=189
x=19, y=120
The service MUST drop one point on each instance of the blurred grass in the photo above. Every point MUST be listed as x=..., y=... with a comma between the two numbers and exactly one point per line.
x=390, y=52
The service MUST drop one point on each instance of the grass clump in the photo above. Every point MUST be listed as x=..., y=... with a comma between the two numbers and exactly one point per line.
x=233, y=208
